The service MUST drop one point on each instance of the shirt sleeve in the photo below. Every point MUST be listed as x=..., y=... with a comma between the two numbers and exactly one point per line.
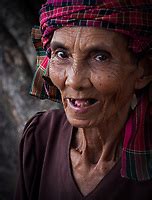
x=27, y=160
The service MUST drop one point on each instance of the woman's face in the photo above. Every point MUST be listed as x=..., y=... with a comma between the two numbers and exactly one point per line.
x=94, y=72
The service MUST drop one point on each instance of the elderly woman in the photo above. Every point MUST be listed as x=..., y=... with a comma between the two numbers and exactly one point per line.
x=96, y=59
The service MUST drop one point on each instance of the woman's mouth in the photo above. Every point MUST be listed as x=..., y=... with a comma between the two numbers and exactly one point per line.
x=82, y=103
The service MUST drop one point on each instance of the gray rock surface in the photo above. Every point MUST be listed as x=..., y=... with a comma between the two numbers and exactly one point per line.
x=17, y=60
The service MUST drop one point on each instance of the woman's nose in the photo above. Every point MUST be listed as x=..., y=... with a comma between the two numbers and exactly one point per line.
x=78, y=78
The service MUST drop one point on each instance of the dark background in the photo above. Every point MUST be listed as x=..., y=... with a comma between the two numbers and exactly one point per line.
x=17, y=63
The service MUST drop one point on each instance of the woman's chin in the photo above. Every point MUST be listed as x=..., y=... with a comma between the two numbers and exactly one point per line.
x=81, y=123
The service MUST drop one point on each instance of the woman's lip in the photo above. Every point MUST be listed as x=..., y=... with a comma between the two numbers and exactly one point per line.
x=81, y=109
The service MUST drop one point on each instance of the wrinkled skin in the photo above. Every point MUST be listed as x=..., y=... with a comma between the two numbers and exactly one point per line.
x=88, y=64
x=96, y=75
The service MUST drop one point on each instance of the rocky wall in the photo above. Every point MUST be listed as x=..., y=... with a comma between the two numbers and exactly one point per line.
x=17, y=61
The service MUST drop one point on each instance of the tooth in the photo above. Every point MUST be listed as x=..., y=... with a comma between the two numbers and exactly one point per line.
x=81, y=103
x=86, y=103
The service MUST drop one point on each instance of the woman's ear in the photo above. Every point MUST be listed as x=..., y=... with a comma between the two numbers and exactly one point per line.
x=144, y=71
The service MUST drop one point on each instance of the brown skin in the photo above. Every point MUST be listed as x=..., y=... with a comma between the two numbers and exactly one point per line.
x=92, y=63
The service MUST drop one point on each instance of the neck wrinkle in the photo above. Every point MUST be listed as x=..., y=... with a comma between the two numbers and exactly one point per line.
x=93, y=148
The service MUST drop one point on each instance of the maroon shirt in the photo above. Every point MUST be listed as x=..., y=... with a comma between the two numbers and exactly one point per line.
x=45, y=168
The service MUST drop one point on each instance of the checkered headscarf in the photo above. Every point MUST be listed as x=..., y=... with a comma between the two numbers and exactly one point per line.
x=133, y=18
x=130, y=17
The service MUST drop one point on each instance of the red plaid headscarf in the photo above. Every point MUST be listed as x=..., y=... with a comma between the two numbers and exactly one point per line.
x=133, y=18
x=130, y=17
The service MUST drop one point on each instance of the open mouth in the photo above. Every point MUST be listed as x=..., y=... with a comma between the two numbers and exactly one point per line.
x=81, y=103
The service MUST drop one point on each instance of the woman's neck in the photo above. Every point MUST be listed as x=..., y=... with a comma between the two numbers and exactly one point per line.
x=94, y=152
x=93, y=146
x=102, y=142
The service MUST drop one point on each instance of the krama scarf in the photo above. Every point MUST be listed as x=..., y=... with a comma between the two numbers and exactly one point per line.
x=130, y=17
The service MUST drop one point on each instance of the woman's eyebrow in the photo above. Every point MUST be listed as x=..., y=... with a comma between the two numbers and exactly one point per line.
x=95, y=48
x=98, y=48
x=55, y=45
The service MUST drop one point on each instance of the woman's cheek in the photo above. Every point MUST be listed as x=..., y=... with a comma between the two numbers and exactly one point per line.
x=57, y=77
x=106, y=84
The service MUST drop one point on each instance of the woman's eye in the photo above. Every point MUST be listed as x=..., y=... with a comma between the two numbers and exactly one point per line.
x=102, y=57
x=61, y=54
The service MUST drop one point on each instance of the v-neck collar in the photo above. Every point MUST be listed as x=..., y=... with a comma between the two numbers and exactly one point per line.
x=102, y=182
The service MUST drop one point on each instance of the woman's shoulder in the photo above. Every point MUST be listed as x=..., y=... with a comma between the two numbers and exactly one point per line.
x=37, y=135
x=42, y=127
x=45, y=120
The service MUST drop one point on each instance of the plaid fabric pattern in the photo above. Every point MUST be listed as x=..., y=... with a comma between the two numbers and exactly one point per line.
x=132, y=18
x=41, y=87
x=137, y=147
x=37, y=87
x=128, y=17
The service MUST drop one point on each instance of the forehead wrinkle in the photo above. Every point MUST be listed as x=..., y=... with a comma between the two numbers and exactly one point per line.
x=68, y=38
x=103, y=41
x=100, y=39
x=77, y=42
x=81, y=39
